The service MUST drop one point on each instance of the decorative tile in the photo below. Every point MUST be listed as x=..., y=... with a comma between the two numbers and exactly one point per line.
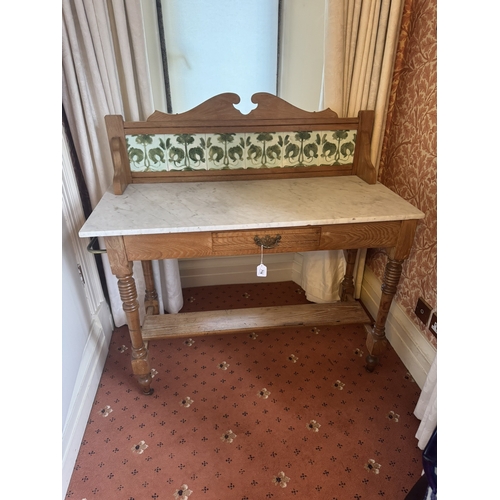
x=146, y=152
x=301, y=149
x=337, y=147
x=186, y=151
x=263, y=150
x=225, y=151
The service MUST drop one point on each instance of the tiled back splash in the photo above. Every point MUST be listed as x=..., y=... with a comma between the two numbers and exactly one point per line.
x=178, y=152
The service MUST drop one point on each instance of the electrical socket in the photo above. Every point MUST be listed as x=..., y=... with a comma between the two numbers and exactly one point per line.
x=423, y=311
x=433, y=325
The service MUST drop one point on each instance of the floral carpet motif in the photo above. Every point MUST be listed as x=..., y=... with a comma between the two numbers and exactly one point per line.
x=281, y=413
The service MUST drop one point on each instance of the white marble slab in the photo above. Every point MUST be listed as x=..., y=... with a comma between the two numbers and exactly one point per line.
x=236, y=205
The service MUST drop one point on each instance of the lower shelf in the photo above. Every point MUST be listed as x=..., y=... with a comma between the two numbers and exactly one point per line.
x=195, y=324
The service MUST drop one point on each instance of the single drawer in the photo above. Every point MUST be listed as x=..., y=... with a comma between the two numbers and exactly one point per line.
x=281, y=240
x=360, y=235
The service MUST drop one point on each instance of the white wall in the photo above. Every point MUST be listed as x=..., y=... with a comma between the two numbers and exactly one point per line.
x=75, y=320
x=86, y=324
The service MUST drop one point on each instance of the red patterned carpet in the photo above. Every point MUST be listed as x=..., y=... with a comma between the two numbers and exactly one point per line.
x=278, y=414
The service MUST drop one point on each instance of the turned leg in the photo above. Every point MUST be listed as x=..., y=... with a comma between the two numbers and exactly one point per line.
x=151, y=297
x=122, y=269
x=376, y=341
x=347, y=285
x=140, y=359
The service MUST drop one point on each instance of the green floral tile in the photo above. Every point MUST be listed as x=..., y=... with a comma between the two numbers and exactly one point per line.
x=337, y=147
x=146, y=153
x=263, y=150
x=225, y=151
x=301, y=149
x=183, y=152
x=186, y=151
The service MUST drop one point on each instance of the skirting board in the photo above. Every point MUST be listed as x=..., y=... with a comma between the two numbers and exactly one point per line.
x=87, y=382
x=414, y=350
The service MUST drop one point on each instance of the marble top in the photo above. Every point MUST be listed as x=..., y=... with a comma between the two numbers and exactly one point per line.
x=238, y=205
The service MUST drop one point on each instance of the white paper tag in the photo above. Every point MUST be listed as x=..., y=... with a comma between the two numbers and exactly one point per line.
x=261, y=271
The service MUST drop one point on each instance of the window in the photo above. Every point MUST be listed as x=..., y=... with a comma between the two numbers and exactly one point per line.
x=219, y=46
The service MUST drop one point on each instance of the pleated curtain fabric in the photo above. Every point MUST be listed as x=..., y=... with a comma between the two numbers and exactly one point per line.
x=105, y=71
x=361, y=38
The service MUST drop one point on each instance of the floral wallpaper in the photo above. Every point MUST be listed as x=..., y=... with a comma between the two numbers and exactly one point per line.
x=408, y=163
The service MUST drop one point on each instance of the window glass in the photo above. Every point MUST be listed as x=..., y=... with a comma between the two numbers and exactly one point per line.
x=220, y=46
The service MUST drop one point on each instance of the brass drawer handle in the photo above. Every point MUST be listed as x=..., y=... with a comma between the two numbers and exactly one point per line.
x=268, y=241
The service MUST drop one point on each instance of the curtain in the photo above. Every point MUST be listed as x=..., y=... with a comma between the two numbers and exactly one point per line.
x=105, y=71
x=426, y=409
x=361, y=38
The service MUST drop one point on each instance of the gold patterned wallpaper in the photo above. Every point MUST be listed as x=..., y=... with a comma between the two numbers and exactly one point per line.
x=408, y=163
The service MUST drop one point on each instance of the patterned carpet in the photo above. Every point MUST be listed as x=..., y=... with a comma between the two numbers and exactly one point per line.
x=277, y=414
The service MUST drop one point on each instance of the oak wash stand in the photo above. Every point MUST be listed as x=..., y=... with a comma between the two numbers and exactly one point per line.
x=214, y=182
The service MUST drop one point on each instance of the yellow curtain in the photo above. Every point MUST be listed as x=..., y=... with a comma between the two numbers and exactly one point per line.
x=360, y=49
x=361, y=42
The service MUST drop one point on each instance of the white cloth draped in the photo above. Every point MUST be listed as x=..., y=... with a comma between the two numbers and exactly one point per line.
x=321, y=275
x=105, y=71
x=426, y=409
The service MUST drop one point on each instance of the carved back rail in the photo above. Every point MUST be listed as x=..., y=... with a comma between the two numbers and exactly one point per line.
x=214, y=141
